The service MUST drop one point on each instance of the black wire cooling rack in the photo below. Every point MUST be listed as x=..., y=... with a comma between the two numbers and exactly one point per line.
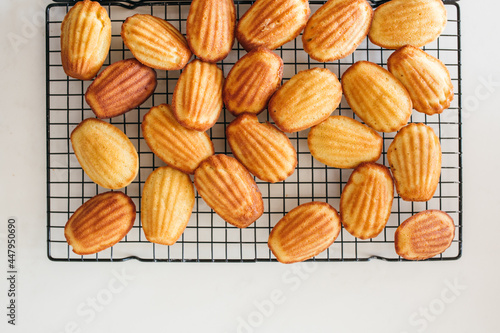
x=207, y=237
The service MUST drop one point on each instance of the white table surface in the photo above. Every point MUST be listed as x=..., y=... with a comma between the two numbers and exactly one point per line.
x=457, y=296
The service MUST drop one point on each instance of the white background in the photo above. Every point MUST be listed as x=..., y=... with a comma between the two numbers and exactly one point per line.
x=341, y=297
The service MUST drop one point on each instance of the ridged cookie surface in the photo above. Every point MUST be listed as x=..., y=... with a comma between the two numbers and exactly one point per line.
x=85, y=39
x=155, y=42
x=272, y=23
x=197, y=99
x=210, y=28
x=307, y=99
x=100, y=223
x=336, y=29
x=306, y=231
x=252, y=81
x=415, y=160
x=424, y=235
x=342, y=142
x=179, y=147
x=407, y=22
x=166, y=205
x=122, y=86
x=229, y=189
x=262, y=148
x=376, y=96
x=366, y=201
x=426, y=78
x=105, y=153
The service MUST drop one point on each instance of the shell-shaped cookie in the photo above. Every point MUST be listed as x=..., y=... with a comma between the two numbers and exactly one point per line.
x=424, y=235
x=307, y=99
x=85, y=39
x=122, y=86
x=272, y=23
x=376, y=96
x=415, y=160
x=210, y=28
x=342, y=142
x=366, y=201
x=306, y=231
x=100, y=223
x=229, y=189
x=336, y=29
x=155, y=42
x=426, y=78
x=179, y=147
x=252, y=81
x=105, y=153
x=166, y=205
x=262, y=148
x=407, y=22
x=197, y=99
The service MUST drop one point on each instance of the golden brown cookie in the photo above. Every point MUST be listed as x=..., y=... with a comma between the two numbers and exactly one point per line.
x=426, y=78
x=272, y=23
x=376, y=96
x=415, y=160
x=407, y=22
x=197, y=99
x=155, y=42
x=252, y=81
x=85, y=39
x=307, y=99
x=179, y=147
x=105, y=153
x=424, y=235
x=229, y=189
x=166, y=205
x=336, y=29
x=121, y=87
x=342, y=142
x=210, y=28
x=306, y=231
x=262, y=148
x=100, y=223
x=366, y=201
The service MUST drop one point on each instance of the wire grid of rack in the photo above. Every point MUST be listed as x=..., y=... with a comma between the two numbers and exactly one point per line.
x=207, y=237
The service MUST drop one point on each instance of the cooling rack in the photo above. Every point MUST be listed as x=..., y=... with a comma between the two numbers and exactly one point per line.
x=207, y=237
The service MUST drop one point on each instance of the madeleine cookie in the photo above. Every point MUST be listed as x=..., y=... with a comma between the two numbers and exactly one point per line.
x=105, y=153
x=100, y=223
x=155, y=42
x=121, y=87
x=229, y=189
x=272, y=23
x=179, y=147
x=415, y=160
x=262, y=148
x=252, y=81
x=210, y=28
x=336, y=29
x=366, y=201
x=376, y=96
x=424, y=235
x=306, y=231
x=343, y=142
x=166, y=205
x=197, y=99
x=426, y=78
x=307, y=99
x=407, y=22
x=85, y=39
